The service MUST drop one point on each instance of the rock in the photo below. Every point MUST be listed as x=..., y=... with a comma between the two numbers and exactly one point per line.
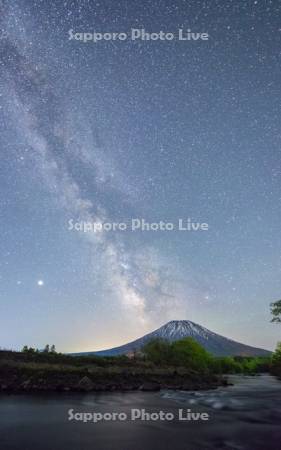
x=59, y=387
x=113, y=387
x=150, y=386
x=129, y=387
x=187, y=387
x=26, y=384
x=86, y=384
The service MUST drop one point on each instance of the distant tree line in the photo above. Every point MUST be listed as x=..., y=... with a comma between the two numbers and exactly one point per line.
x=47, y=349
x=188, y=353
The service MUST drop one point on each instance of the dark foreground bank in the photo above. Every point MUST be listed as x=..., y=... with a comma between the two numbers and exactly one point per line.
x=245, y=416
x=32, y=380
x=39, y=372
x=182, y=364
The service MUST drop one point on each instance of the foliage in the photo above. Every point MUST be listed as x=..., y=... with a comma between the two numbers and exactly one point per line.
x=276, y=357
x=277, y=354
x=158, y=351
x=188, y=353
x=276, y=311
x=226, y=364
x=276, y=360
x=29, y=350
x=185, y=353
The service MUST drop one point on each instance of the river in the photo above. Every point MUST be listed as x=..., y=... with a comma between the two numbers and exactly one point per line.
x=245, y=416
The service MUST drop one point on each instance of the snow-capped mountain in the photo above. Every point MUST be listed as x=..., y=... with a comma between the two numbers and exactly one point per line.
x=178, y=329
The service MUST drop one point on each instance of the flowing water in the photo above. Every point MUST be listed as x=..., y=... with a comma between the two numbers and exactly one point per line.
x=244, y=416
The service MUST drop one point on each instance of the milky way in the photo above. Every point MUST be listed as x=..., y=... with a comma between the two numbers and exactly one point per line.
x=160, y=130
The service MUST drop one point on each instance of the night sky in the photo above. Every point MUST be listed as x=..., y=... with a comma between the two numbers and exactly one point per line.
x=160, y=130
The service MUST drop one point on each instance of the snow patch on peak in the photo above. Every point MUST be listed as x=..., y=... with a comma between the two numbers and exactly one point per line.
x=177, y=329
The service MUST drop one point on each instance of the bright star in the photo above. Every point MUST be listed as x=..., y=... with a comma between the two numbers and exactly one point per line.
x=40, y=283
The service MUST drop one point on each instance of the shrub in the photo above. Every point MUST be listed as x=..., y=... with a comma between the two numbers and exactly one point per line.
x=276, y=360
x=188, y=353
x=185, y=352
x=158, y=351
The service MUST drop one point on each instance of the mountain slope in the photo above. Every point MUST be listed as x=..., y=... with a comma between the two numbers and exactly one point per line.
x=178, y=329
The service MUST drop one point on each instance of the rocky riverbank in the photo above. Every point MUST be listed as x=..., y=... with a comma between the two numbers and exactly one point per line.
x=25, y=378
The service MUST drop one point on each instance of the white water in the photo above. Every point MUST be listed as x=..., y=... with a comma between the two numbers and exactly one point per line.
x=246, y=416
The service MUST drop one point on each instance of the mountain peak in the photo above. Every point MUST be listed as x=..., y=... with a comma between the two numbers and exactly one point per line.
x=179, y=329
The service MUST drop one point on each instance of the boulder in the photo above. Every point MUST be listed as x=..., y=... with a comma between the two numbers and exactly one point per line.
x=26, y=384
x=85, y=384
x=150, y=386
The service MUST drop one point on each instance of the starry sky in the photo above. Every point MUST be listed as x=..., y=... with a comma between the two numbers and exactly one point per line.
x=160, y=130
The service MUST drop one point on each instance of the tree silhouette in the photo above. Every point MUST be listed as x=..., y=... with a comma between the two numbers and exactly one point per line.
x=276, y=311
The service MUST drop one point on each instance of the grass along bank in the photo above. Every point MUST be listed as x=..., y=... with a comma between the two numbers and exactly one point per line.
x=183, y=364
